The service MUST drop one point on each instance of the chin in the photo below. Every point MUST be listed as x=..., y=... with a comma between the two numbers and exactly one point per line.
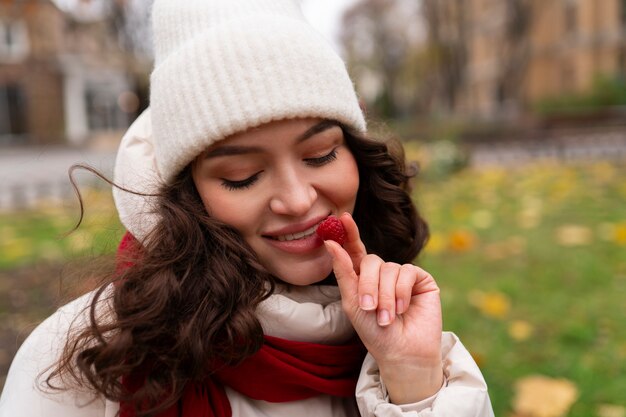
x=304, y=273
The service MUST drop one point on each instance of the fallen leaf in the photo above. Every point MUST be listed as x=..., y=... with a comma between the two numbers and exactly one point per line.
x=16, y=249
x=619, y=235
x=462, y=241
x=436, y=243
x=574, y=235
x=493, y=304
x=611, y=410
x=541, y=396
x=530, y=215
x=520, y=330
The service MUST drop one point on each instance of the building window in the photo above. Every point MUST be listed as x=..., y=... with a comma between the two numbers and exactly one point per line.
x=12, y=110
x=103, y=111
x=14, y=45
x=571, y=17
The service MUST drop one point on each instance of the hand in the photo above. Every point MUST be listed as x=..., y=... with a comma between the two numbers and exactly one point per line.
x=396, y=311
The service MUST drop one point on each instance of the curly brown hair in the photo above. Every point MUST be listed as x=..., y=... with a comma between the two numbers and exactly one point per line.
x=190, y=296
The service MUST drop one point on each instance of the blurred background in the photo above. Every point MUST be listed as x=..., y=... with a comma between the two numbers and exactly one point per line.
x=513, y=110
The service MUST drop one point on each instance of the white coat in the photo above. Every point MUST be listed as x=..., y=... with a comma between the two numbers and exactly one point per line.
x=310, y=314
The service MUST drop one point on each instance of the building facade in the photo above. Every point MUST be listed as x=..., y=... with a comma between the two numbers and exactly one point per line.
x=519, y=52
x=62, y=79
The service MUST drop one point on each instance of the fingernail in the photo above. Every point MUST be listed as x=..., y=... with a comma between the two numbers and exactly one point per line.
x=383, y=317
x=400, y=306
x=329, y=247
x=367, y=302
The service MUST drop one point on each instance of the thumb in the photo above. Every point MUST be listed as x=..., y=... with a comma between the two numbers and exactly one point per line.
x=347, y=279
x=353, y=246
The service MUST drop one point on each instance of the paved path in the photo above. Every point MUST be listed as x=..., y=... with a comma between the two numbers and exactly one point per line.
x=579, y=146
x=28, y=174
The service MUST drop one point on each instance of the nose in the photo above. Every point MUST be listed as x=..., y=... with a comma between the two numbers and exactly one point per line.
x=294, y=194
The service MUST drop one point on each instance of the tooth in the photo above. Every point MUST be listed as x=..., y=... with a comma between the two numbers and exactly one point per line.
x=299, y=235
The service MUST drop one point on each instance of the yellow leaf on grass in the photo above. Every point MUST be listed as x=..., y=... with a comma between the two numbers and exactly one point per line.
x=619, y=234
x=462, y=241
x=511, y=247
x=611, y=410
x=16, y=249
x=573, y=235
x=541, y=396
x=492, y=304
x=436, y=243
x=520, y=330
x=530, y=215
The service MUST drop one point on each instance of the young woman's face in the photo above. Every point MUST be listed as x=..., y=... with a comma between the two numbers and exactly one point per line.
x=275, y=184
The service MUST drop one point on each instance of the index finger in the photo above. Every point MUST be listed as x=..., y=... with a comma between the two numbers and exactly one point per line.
x=353, y=244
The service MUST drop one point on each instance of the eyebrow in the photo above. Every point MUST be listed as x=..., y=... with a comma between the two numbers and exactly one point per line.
x=228, y=150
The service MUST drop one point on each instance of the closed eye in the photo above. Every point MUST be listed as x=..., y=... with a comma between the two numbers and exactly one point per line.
x=322, y=160
x=241, y=184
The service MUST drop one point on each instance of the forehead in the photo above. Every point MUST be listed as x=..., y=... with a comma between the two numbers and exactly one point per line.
x=276, y=134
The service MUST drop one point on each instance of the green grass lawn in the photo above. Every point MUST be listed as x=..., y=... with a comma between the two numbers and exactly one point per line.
x=42, y=234
x=531, y=262
x=532, y=266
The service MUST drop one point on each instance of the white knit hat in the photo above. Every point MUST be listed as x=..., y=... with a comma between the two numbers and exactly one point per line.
x=224, y=66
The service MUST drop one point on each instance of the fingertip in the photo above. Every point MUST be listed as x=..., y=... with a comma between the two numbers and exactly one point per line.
x=331, y=247
x=352, y=230
x=346, y=217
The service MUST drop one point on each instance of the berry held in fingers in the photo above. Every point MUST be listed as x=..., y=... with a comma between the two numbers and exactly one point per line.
x=332, y=229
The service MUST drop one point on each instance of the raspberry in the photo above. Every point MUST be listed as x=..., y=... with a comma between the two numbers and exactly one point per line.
x=332, y=229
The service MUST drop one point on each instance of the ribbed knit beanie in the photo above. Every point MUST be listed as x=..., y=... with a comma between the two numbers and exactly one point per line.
x=224, y=66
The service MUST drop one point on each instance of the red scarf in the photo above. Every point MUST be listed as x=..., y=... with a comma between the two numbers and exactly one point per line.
x=281, y=371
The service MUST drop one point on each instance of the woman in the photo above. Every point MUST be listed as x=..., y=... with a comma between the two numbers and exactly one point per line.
x=225, y=301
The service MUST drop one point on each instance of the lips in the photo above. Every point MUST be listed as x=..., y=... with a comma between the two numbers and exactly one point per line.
x=296, y=231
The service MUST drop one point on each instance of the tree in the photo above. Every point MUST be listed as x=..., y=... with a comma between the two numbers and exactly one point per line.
x=514, y=49
x=130, y=19
x=450, y=32
x=379, y=37
x=446, y=51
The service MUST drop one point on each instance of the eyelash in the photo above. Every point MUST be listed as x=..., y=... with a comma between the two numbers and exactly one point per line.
x=322, y=160
x=248, y=182
x=240, y=185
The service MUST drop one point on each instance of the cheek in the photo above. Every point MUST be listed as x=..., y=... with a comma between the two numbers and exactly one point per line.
x=345, y=190
x=221, y=204
x=231, y=208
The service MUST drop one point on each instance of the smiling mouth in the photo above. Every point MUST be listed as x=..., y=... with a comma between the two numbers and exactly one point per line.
x=295, y=236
